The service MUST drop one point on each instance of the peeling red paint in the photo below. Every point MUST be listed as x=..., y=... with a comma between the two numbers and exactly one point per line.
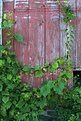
x=41, y=24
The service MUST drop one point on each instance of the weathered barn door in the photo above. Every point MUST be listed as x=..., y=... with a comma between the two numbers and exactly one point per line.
x=41, y=24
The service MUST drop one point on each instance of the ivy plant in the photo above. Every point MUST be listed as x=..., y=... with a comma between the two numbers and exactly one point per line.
x=8, y=24
x=22, y=102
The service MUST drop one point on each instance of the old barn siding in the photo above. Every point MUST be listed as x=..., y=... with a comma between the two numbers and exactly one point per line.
x=41, y=24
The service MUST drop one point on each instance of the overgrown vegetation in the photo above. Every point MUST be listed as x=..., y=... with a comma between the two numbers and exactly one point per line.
x=17, y=101
x=69, y=16
x=68, y=106
x=22, y=102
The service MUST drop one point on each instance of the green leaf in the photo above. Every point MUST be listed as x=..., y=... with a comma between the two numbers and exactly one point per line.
x=12, y=112
x=9, y=76
x=56, y=65
x=1, y=87
x=1, y=63
x=57, y=90
x=5, y=93
x=42, y=103
x=4, y=113
x=9, y=60
x=45, y=89
x=2, y=47
x=8, y=104
x=39, y=74
x=18, y=37
x=5, y=16
x=27, y=68
x=69, y=75
x=5, y=99
x=61, y=62
x=20, y=103
x=5, y=24
x=21, y=116
x=37, y=68
x=50, y=84
x=11, y=86
x=61, y=86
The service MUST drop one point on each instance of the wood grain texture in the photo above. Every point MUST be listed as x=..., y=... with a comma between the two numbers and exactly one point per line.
x=7, y=9
x=21, y=26
x=41, y=24
x=73, y=23
x=78, y=39
x=52, y=31
x=36, y=33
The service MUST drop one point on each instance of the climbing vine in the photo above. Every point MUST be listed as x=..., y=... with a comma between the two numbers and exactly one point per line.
x=69, y=16
x=21, y=101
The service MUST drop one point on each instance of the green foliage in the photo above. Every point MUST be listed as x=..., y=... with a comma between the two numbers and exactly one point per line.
x=45, y=90
x=68, y=13
x=53, y=90
x=69, y=16
x=59, y=63
x=17, y=101
x=69, y=39
x=7, y=21
x=22, y=102
x=66, y=107
x=18, y=37
x=2, y=47
x=8, y=24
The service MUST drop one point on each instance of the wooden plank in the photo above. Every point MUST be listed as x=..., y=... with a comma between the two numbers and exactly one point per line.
x=36, y=33
x=21, y=26
x=7, y=9
x=29, y=22
x=36, y=37
x=72, y=3
x=21, y=17
x=62, y=35
x=52, y=31
x=63, y=27
x=78, y=38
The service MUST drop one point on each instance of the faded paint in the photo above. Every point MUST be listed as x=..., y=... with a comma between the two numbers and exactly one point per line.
x=41, y=24
x=8, y=0
x=21, y=4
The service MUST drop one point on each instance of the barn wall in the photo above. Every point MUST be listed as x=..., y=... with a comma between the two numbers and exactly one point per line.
x=41, y=24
